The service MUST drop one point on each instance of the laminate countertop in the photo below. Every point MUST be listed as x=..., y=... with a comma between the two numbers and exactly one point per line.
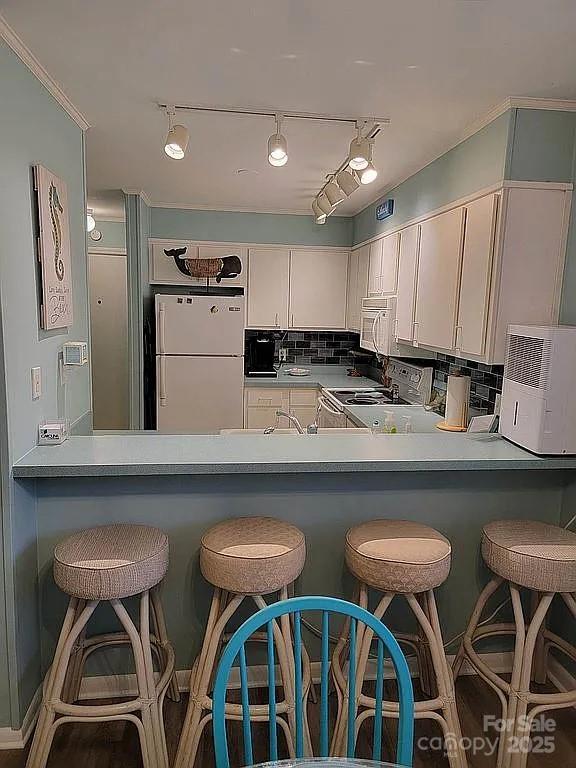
x=328, y=376
x=155, y=454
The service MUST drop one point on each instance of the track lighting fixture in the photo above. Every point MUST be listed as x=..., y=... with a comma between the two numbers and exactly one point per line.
x=90, y=220
x=333, y=192
x=368, y=174
x=277, y=146
x=347, y=180
x=176, y=139
x=319, y=215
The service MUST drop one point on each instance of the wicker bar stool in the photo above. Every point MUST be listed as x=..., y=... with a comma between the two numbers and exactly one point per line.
x=540, y=558
x=109, y=564
x=407, y=559
x=245, y=558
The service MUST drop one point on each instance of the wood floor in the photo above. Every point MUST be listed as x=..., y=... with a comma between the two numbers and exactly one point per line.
x=115, y=745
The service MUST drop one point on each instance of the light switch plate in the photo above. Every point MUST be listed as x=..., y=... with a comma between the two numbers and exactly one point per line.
x=36, y=378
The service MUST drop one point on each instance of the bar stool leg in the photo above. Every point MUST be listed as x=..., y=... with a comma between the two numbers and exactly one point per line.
x=194, y=723
x=159, y=629
x=38, y=756
x=540, y=664
x=485, y=595
x=423, y=656
x=520, y=692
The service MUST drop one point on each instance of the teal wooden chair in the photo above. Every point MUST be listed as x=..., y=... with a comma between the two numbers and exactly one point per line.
x=386, y=645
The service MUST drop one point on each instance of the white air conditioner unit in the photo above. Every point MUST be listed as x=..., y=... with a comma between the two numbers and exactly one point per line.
x=538, y=408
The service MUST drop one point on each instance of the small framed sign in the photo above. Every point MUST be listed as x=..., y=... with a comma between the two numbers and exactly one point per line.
x=385, y=209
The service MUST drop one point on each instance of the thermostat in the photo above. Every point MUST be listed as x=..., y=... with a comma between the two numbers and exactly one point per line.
x=75, y=353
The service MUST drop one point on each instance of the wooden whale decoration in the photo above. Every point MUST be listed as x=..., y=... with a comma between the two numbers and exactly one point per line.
x=227, y=267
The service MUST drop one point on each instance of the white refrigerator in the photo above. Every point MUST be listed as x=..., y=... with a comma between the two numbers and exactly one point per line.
x=199, y=363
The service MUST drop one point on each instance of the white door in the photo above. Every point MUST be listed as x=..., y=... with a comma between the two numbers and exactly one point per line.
x=199, y=394
x=352, y=308
x=223, y=252
x=200, y=325
x=268, y=287
x=476, y=274
x=389, y=265
x=407, y=271
x=318, y=289
x=109, y=341
x=375, y=268
x=438, y=279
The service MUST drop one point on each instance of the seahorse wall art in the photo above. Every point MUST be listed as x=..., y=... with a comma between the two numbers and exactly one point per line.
x=229, y=266
x=55, y=212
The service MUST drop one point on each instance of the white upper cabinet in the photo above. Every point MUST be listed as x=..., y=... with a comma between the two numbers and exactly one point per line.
x=375, y=268
x=477, y=257
x=407, y=274
x=268, y=287
x=383, y=266
x=439, y=279
x=357, y=285
x=318, y=283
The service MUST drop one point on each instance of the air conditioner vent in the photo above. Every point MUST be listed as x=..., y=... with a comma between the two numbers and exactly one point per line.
x=528, y=361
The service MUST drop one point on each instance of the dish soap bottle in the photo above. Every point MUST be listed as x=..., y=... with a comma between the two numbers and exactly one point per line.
x=389, y=424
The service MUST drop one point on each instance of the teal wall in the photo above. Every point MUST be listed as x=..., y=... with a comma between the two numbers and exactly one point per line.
x=34, y=129
x=113, y=235
x=474, y=164
x=236, y=227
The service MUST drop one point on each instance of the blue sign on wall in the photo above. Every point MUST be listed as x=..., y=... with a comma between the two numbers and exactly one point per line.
x=385, y=209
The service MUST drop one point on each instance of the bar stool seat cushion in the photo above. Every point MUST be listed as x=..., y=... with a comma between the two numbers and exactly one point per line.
x=531, y=554
x=398, y=555
x=111, y=562
x=252, y=555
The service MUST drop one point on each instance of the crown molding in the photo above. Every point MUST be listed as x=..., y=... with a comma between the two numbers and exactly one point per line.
x=559, y=105
x=27, y=57
x=234, y=209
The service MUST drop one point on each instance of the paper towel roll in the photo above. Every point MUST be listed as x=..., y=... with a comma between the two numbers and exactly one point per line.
x=457, y=398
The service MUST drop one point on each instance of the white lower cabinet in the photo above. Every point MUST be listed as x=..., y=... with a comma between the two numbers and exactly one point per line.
x=318, y=282
x=261, y=404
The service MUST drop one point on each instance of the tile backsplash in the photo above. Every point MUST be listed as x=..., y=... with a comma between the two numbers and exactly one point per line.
x=486, y=380
x=315, y=347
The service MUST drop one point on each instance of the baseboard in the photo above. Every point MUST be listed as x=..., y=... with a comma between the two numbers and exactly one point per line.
x=17, y=739
x=116, y=686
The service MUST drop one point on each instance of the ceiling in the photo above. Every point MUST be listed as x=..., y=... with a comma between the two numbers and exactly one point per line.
x=432, y=66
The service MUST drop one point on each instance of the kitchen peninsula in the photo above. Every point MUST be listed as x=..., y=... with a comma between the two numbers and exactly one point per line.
x=322, y=483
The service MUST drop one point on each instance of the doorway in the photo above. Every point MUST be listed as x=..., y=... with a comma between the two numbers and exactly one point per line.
x=109, y=340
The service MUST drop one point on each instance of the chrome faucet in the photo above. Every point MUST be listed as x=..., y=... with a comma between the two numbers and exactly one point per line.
x=292, y=419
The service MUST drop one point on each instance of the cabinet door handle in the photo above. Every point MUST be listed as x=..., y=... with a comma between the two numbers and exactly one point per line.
x=276, y=320
x=162, y=328
x=458, y=340
x=395, y=329
x=292, y=321
x=162, y=382
x=415, y=334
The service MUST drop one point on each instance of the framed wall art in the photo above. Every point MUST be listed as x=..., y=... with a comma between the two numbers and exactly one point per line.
x=54, y=249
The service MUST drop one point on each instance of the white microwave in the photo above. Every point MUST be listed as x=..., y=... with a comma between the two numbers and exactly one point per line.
x=377, y=324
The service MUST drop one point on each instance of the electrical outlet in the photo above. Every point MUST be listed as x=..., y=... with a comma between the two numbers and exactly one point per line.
x=36, y=379
x=282, y=354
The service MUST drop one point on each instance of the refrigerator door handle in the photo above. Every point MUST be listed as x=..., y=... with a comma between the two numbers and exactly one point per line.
x=162, y=383
x=162, y=327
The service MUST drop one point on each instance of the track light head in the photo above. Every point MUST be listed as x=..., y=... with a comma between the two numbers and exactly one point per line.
x=347, y=180
x=277, y=146
x=90, y=220
x=359, y=153
x=324, y=204
x=369, y=174
x=319, y=215
x=333, y=192
x=177, y=138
